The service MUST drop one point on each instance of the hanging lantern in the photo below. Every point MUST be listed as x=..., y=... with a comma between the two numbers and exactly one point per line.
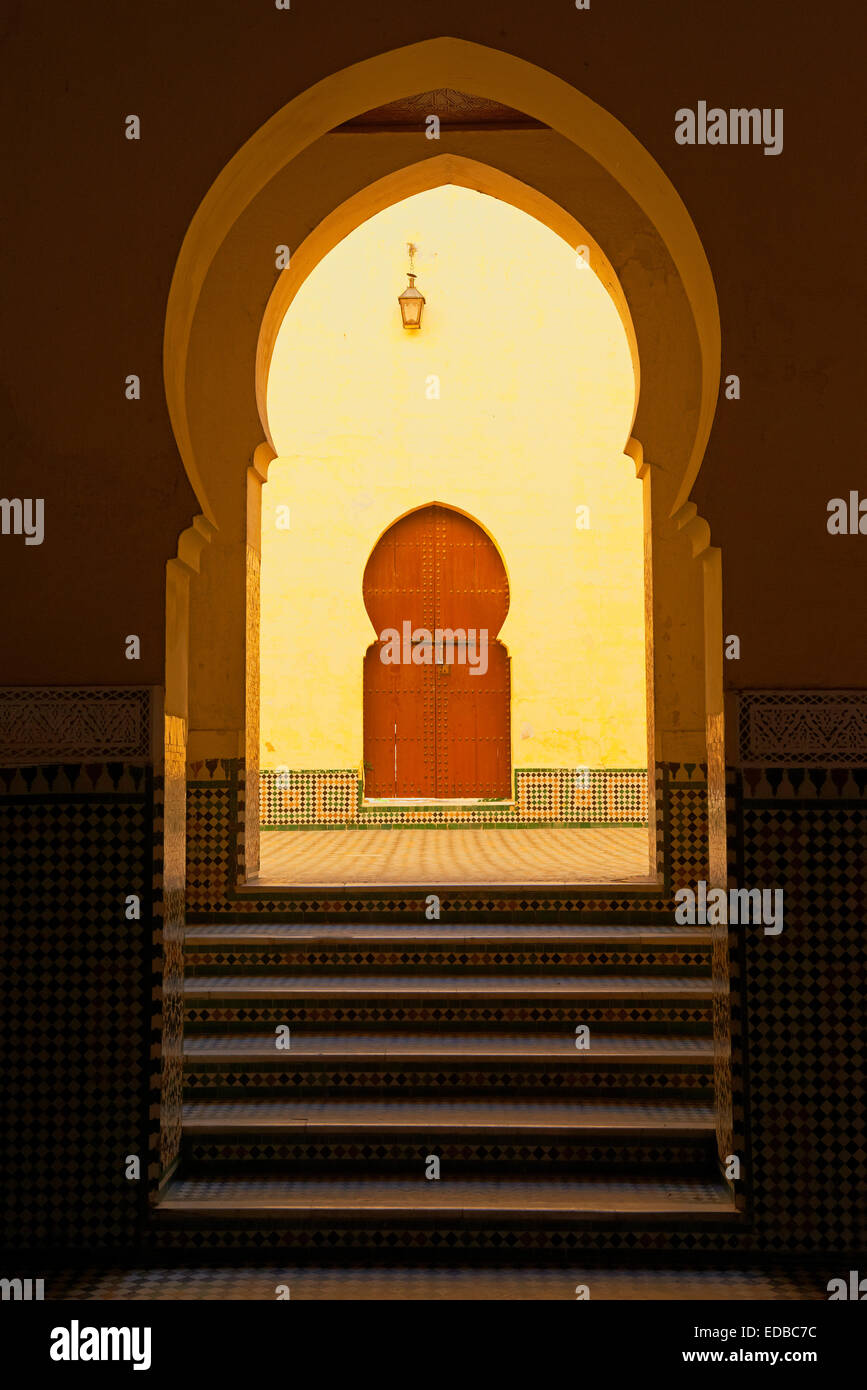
x=412, y=300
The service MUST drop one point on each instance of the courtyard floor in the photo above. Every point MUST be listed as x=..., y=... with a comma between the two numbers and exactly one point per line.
x=454, y=857
x=258, y=1280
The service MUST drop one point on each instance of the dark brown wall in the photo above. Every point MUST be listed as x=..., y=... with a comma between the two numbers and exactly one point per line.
x=95, y=222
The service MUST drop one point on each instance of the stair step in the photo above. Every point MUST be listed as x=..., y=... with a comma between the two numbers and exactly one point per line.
x=499, y=1117
x=396, y=1048
x=412, y=1037
x=439, y=933
x=285, y=987
x=604, y=1199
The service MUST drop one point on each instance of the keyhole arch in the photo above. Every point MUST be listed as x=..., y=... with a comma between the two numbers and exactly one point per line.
x=391, y=536
x=437, y=680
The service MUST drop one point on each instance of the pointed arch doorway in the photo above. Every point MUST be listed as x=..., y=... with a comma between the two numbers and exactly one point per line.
x=436, y=679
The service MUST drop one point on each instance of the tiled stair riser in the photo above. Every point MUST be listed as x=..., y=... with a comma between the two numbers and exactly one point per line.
x=615, y=1016
x=465, y=1151
x=291, y=961
x=273, y=1085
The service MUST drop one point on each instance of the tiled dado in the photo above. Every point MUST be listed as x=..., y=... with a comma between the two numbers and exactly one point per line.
x=291, y=798
x=77, y=1022
x=798, y=1033
x=94, y=1001
x=167, y=1023
x=215, y=831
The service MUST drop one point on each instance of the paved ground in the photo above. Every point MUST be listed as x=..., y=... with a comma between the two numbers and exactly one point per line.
x=238, y=1282
x=454, y=857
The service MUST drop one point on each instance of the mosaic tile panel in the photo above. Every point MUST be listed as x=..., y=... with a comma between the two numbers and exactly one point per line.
x=685, y=824
x=543, y=796
x=76, y=1015
x=264, y=1082
x=167, y=977
x=804, y=1021
x=212, y=834
x=167, y=1041
x=503, y=1153
x=598, y=959
x=726, y=973
x=232, y=1014
x=456, y=1240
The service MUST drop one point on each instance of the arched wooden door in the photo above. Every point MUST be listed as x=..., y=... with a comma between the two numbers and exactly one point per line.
x=436, y=682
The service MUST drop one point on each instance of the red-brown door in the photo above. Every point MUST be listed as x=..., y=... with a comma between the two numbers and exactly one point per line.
x=436, y=709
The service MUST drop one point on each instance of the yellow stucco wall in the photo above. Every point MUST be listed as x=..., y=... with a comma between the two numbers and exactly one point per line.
x=536, y=398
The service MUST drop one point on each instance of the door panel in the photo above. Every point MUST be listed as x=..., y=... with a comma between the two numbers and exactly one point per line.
x=473, y=728
x=398, y=728
x=433, y=728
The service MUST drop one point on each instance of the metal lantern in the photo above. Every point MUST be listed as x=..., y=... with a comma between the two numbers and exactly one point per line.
x=412, y=300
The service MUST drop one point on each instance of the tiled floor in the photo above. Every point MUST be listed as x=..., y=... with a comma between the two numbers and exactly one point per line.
x=450, y=857
x=259, y=1282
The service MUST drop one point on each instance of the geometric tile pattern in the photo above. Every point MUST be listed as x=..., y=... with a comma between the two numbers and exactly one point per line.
x=239, y=1016
x=212, y=847
x=388, y=1152
x=672, y=958
x=685, y=824
x=805, y=1039
x=543, y=796
x=76, y=1008
x=168, y=1033
x=262, y=1083
x=167, y=957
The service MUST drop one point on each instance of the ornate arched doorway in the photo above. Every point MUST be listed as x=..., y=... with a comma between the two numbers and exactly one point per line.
x=217, y=359
x=436, y=680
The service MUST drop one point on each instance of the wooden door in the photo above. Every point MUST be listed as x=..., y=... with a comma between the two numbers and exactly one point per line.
x=436, y=720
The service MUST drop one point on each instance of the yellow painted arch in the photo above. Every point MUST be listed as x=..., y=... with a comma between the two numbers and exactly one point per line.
x=403, y=183
x=433, y=63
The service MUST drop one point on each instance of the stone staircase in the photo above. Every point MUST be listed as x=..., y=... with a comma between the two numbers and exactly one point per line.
x=409, y=1043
